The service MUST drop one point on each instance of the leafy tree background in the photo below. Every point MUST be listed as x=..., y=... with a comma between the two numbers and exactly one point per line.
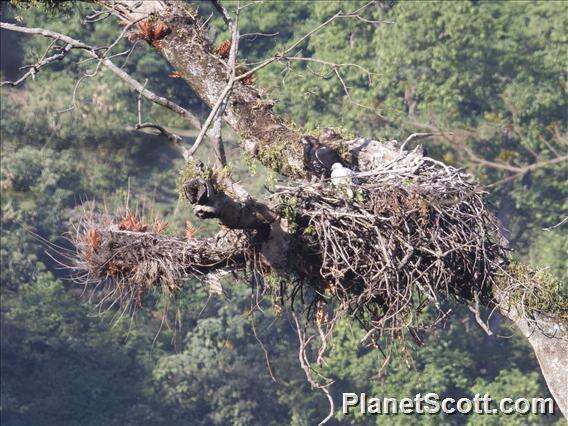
x=494, y=69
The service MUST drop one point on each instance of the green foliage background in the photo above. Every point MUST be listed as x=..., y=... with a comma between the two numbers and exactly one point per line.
x=493, y=70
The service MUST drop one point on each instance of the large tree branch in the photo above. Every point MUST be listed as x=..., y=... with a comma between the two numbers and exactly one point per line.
x=212, y=198
x=265, y=135
x=549, y=338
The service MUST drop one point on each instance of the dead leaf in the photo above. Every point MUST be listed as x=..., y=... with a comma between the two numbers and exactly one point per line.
x=190, y=230
x=93, y=239
x=131, y=223
x=160, y=226
x=224, y=49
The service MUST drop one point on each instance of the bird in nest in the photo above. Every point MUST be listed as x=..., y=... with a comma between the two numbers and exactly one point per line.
x=344, y=178
x=319, y=158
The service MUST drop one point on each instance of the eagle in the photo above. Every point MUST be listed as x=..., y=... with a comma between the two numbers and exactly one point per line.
x=343, y=177
x=319, y=158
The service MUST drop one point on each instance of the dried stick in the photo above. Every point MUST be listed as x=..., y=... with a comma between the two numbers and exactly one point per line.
x=304, y=363
x=219, y=107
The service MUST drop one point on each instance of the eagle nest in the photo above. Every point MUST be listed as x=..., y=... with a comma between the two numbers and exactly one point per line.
x=384, y=249
x=402, y=238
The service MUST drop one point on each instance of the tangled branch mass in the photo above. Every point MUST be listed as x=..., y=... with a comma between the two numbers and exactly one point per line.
x=402, y=238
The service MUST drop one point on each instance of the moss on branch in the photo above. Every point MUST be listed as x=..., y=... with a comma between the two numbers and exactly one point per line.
x=532, y=291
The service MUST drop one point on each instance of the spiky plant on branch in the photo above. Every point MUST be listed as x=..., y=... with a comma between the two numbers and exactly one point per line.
x=120, y=261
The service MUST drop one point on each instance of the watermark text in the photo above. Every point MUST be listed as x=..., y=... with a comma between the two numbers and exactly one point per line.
x=432, y=403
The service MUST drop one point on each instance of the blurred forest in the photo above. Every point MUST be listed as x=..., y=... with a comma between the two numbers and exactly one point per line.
x=493, y=72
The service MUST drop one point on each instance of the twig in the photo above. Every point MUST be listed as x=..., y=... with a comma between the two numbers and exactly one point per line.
x=34, y=69
x=414, y=136
x=307, y=369
x=476, y=311
x=219, y=107
x=296, y=43
x=217, y=142
x=559, y=224
x=264, y=350
x=174, y=138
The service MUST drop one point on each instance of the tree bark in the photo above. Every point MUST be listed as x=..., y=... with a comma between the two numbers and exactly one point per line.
x=549, y=340
x=209, y=201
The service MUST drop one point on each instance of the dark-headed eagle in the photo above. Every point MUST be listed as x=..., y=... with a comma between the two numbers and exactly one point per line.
x=319, y=158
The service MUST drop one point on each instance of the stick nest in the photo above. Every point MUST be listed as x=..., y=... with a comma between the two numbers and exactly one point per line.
x=405, y=237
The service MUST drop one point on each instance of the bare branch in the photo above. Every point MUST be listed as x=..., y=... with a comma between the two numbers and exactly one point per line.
x=518, y=170
x=456, y=139
x=558, y=225
x=94, y=53
x=211, y=117
x=217, y=142
x=34, y=69
x=413, y=137
x=476, y=309
x=299, y=41
x=96, y=16
x=177, y=140
x=305, y=364
x=173, y=138
x=255, y=35
x=333, y=65
x=219, y=107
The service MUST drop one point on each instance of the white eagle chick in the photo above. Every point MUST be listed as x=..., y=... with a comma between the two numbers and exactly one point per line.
x=344, y=178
